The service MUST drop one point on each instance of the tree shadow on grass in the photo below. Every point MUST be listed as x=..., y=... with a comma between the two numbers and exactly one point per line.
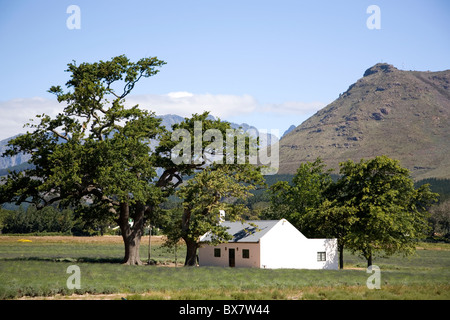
x=69, y=259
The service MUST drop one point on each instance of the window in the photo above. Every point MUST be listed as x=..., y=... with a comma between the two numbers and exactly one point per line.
x=245, y=253
x=217, y=252
x=321, y=256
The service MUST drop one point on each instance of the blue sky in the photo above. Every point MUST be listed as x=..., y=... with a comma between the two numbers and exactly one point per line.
x=268, y=63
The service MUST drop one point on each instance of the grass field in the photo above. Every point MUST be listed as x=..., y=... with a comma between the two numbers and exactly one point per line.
x=35, y=267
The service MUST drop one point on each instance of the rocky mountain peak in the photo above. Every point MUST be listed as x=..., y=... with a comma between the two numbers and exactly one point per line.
x=402, y=114
x=380, y=67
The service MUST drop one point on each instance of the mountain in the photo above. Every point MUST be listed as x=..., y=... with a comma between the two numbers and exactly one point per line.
x=402, y=114
x=266, y=139
x=292, y=127
x=168, y=120
x=6, y=162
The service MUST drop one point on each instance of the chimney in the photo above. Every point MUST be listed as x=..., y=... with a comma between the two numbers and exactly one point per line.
x=221, y=216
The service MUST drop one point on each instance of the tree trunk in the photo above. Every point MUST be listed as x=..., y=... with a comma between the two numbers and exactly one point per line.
x=341, y=256
x=369, y=260
x=191, y=253
x=131, y=235
x=191, y=245
x=367, y=253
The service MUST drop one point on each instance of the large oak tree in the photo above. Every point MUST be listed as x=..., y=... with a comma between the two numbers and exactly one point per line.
x=96, y=153
x=389, y=213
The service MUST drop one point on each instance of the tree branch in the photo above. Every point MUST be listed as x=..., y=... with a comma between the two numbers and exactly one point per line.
x=65, y=137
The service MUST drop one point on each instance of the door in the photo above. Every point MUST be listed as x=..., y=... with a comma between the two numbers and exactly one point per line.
x=231, y=257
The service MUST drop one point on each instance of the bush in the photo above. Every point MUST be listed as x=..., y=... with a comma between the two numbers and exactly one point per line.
x=440, y=221
x=48, y=219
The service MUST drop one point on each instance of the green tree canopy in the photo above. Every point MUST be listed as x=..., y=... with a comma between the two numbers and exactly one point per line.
x=96, y=151
x=390, y=215
x=299, y=201
x=372, y=208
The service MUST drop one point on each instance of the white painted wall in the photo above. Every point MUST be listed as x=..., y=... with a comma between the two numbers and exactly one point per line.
x=280, y=245
x=313, y=246
x=206, y=255
x=286, y=247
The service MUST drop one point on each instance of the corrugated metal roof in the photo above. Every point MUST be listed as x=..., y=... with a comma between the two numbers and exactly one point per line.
x=245, y=232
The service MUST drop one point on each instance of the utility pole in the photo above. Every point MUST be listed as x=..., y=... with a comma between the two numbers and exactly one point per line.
x=149, y=242
x=176, y=261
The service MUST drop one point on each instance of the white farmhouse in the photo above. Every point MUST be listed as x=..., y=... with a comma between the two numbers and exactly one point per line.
x=272, y=244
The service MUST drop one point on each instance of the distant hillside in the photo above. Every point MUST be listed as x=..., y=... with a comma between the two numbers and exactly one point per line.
x=6, y=162
x=292, y=127
x=402, y=114
x=265, y=138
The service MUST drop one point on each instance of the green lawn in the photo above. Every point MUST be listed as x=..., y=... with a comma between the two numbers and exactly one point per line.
x=38, y=268
x=47, y=250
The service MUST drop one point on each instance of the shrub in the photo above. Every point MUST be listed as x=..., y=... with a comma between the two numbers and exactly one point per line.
x=48, y=219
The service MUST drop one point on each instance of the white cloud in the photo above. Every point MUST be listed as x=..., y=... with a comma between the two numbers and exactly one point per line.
x=15, y=113
x=186, y=103
x=180, y=94
x=220, y=105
